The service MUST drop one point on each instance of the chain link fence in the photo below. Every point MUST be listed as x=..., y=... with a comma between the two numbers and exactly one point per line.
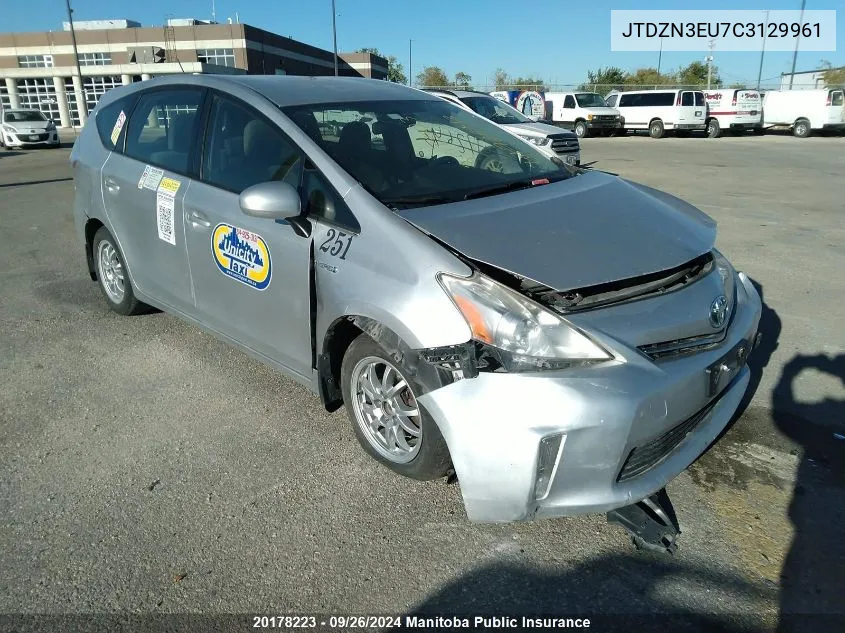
x=601, y=89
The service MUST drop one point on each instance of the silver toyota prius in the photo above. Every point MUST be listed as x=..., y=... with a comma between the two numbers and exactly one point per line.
x=561, y=340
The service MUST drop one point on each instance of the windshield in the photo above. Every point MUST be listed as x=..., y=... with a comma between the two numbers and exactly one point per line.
x=589, y=100
x=416, y=153
x=21, y=116
x=495, y=110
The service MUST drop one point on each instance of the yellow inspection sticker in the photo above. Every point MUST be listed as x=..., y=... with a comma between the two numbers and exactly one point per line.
x=169, y=186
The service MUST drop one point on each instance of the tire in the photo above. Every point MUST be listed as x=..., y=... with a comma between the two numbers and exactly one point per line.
x=366, y=362
x=714, y=130
x=112, y=275
x=581, y=129
x=801, y=129
x=656, y=129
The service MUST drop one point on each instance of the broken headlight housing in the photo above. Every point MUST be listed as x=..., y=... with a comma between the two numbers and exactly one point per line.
x=728, y=275
x=519, y=334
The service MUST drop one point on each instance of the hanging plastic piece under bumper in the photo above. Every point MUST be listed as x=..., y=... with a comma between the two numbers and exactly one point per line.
x=651, y=523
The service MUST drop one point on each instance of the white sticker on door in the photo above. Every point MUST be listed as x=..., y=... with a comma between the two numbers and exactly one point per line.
x=164, y=217
x=150, y=178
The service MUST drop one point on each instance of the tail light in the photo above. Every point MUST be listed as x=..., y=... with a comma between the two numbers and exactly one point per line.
x=678, y=102
x=829, y=95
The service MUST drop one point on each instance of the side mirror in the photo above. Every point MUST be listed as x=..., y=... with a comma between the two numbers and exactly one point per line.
x=274, y=200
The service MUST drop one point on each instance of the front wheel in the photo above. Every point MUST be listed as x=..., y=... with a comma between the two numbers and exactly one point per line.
x=381, y=400
x=656, y=129
x=581, y=129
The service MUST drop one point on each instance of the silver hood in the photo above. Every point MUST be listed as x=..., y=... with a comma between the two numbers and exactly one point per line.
x=536, y=128
x=590, y=229
x=27, y=126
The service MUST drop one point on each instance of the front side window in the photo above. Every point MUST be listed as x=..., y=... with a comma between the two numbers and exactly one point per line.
x=243, y=148
x=589, y=100
x=495, y=110
x=163, y=126
x=569, y=102
x=611, y=101
x=432, y=152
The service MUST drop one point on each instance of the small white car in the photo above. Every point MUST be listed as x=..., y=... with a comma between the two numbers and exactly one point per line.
x=582, y=112
x=735, y=110
x=549, y=139
x=26, y=128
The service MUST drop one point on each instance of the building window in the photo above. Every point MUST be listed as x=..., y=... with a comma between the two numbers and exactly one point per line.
x=94, y=59
x=5, y=102
x=35, y=61
x=94, y=88
x=39, y=94
x=218, y=56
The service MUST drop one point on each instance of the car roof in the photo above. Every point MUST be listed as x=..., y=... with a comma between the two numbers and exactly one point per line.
x=289, y=90
x=460, y=94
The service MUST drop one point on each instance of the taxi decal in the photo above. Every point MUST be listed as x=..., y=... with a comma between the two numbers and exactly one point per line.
x=242, y=255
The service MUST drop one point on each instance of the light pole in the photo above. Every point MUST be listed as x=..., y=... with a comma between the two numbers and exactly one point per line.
x=334, y=36
x=710, y=64
x=763, y=52
x=410, y=63
x=82, y=108
x=659, y=57
x=797, y=41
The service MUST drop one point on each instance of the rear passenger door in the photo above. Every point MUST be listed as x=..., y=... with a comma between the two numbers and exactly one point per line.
x=143, y=185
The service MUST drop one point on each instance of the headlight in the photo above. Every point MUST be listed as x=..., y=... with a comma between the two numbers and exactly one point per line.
x=589, y=117
x=519, y=333
x=540, y=141
x=728, y=275
x=9, y=129
x=50, y=126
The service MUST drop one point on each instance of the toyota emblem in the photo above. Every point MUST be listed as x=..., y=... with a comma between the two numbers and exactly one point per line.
x=719, y=311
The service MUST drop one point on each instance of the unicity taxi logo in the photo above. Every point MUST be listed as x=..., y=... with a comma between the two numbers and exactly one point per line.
x=242, y=255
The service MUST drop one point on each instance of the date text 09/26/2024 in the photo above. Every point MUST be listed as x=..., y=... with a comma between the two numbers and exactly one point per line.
x=416, y=622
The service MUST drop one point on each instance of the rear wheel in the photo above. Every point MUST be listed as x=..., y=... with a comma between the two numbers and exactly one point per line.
x=113, y=276
x=656, y=129
x=714, y=130
x=581, y=129
x=801, y=129
x=381, y=400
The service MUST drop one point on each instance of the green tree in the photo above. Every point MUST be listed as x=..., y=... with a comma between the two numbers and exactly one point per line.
x=432, y=77
x=694, y=75
x=604, y=80
x=833, y=76
x=501, y=79
x=463, y=80
x=395, y=70
x=529, y=83
x=647, y=77
x=737, y=86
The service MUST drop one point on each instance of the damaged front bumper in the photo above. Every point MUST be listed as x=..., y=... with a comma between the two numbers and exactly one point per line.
x=557, y=443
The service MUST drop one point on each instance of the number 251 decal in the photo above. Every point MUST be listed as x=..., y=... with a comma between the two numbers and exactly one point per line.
x=337, y=243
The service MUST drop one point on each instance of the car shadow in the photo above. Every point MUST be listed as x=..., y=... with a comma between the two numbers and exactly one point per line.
x=35, y=182
x=626, y=593
x=9, y=153
x=813, y=575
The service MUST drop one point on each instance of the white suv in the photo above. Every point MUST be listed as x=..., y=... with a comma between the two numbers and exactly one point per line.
x=549, y=139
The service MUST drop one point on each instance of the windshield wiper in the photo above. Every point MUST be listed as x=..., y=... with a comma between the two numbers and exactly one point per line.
x=416, y=201
x=511, y=186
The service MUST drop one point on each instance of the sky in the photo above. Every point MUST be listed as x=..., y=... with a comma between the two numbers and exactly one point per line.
x=558, y=41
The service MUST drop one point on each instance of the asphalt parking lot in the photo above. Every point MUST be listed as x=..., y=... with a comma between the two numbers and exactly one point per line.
x=148, y=468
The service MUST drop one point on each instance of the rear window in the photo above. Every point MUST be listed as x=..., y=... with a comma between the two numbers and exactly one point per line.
x=111, y=121
x=699, y=98
x=687, y=99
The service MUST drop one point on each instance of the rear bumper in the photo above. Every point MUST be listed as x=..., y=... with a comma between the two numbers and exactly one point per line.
x=688, y=126
x=493, y=425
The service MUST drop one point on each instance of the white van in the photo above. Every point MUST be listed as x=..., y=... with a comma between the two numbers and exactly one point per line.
x=731, y=109
x=660, y=110
x=805, y=110
x=583, y=112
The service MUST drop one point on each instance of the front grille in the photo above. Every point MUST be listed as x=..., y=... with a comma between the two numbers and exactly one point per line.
x=683, y=346
x=564, y=145
x=605, y=117
x=643, y=458
x=32, y=137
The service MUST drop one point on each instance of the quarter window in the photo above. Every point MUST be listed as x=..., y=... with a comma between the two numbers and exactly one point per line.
x=243, y=149
x=108, y=122
x=162, y=127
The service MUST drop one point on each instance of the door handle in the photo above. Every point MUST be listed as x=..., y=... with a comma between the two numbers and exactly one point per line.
x=111, y=185
x=198, y=219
